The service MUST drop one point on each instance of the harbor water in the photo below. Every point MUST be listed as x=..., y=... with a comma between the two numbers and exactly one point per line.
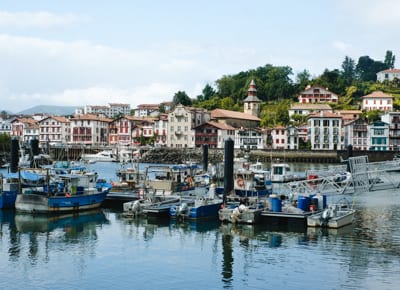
x=102, y=250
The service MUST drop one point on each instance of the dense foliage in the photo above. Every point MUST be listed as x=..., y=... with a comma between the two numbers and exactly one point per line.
x=277, y=88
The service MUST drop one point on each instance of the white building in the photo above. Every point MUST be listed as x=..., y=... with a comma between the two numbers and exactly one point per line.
x=54, y=130
x=325, y=131
x=161, y=130
x=249, y=138
x=25, y=129
x=5, y=127
x=278, y=135
x=388, y=75
x=378, y=136
x=89, y=130
x=377, y=100
x=356, y=134
x=181, y=123
x=292, y=138
x=308, y=108
x=147, y=110
x=393, y=119
x=110, y=111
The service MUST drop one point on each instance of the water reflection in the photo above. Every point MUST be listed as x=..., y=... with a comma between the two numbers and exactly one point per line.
x=364, y=255
x=36, y=235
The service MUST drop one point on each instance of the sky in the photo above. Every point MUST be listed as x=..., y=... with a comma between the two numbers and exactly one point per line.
x=96, y=52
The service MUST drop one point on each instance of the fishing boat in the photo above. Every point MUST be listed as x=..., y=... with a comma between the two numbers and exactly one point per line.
x=335, y=216
x=205, y=207
x=281, y=172
x=65, y=193
x=249, y=183
x=240, y=213
x=8, y=192
x=177, y=179
x=151, y=205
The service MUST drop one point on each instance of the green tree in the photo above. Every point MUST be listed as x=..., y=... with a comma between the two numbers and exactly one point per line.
x=389, y=59
x=372, y=116
x=162, y=108
x=5, y=142
x=4, y=115
x=181, y=97
x=333, y=80
x=367, y=68
x=207, y=93
x=279, y=84
x=227, y=103
x=303, y=79
x=348, y=70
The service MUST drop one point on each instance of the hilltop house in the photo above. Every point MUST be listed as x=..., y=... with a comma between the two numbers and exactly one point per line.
x=388, y=75
x=377, y=100
x=317, y=94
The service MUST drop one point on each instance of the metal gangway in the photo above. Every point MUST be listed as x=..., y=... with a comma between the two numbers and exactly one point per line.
x=356, y=176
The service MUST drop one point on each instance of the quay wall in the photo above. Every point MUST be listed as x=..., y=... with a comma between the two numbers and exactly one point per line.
x=181, y=155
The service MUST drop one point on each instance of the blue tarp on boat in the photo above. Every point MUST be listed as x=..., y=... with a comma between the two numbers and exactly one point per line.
x=25, y=175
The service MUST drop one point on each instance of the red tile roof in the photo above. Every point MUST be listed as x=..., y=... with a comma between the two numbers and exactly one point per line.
x=378, y=94
x=226, y=114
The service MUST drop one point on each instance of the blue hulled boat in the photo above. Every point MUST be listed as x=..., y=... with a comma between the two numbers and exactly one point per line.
x=204, y=207
x=65, y=193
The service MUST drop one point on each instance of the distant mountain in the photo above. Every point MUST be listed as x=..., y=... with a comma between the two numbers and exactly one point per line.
x=54, y=110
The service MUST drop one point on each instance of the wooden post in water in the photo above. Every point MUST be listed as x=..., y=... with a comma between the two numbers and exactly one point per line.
x=205, y=158
x=228, y=167
x=14, y=155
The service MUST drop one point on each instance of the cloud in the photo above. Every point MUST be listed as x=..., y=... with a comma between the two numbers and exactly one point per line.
x=40, y=19
x=375, y=13
x=340, y=45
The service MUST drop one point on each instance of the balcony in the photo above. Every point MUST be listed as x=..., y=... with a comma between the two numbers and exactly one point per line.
x=179, y=113
x=178, y=132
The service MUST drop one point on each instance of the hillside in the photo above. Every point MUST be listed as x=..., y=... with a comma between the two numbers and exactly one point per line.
x=54, y=110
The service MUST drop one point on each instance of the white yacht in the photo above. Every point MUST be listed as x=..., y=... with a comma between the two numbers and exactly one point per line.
x=102, y=156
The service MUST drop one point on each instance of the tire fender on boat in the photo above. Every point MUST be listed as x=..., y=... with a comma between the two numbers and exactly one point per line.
x=240, y=182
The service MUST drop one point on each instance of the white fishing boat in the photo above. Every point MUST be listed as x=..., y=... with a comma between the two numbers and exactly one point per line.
x=334, y=216
x=281, y=172
x=243, y=214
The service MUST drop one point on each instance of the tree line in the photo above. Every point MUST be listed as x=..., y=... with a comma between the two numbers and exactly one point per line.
x=277, y=87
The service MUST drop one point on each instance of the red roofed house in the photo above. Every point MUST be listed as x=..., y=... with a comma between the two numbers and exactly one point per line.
x=89, y=130
x=126, y=130
x=377, y=101
x=26, y=129
x=213, y=134
x=317, y=94
x=55, y=130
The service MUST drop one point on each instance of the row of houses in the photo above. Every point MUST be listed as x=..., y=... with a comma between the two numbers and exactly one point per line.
x=189, y=127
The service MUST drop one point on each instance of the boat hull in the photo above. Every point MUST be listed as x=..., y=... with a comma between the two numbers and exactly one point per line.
x=343, y=219
x=230, y=215
x=7, y=199
x=38, y=203
x=203, y=210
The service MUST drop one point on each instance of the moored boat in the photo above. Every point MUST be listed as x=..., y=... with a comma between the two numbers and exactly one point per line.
x=281, y=172
x=66, y=193
x=8, y=191
x=205, y=207
x=334, y=216
x=102, y=156
x=240, y=213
